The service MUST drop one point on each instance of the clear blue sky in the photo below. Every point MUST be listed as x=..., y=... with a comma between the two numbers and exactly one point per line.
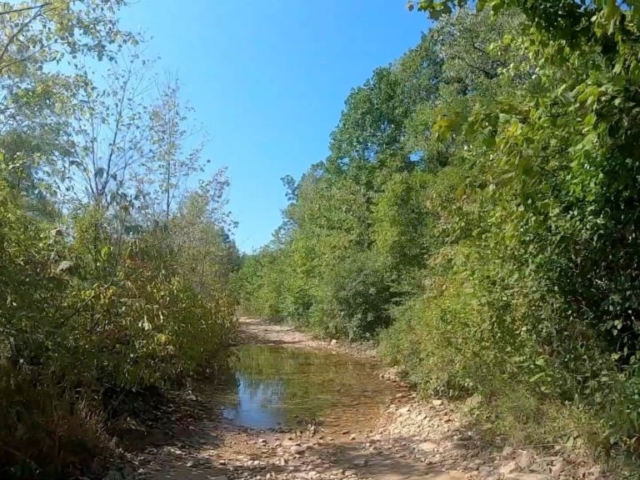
x=268, y=79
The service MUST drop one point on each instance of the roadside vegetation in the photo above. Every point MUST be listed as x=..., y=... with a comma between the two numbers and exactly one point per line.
x=115, y=255
x=478, y=214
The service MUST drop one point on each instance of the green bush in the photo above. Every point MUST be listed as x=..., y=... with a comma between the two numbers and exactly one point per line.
x=111, y=319
x=498, y=163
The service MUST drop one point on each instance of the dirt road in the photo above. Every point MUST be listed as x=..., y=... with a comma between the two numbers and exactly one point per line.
x=402, y=439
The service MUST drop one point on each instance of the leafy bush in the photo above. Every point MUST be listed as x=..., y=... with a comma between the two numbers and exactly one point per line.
x=99, y=241
x=498, y=163
x=115, y=322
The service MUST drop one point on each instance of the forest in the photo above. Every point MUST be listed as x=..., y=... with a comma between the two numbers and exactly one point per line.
x=116, y=254
x=478, y=218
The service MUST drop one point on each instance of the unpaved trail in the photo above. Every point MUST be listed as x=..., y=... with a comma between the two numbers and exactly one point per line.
x=402, y=439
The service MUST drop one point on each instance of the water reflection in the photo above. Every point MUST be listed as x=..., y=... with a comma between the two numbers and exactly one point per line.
x=286, y=387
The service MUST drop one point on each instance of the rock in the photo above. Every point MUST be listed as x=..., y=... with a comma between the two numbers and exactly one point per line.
x=262, y=441
x=507, y=452
x=113, y=475
x=436, y=403
x=524, y=460
x=352, y=437
x=557, y=468
x=198, y=462
x=334, y=342
x=141, y=474
x=485, y=472
x=427, y=446
x=361, y=462
x=346, y=432
x=298, y=449
x=220, y=477
x=526, y=476
x=508, y=468
x=595, y=471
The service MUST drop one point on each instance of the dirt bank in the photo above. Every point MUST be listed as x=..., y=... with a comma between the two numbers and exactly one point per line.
x=404, y=439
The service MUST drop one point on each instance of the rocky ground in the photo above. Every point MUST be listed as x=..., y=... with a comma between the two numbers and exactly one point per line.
x=406, y=439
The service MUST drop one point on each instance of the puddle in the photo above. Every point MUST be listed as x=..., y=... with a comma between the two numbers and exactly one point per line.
x=279, y=387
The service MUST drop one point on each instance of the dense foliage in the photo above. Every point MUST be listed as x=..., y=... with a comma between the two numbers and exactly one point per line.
x=481, y=200
x=115, y=269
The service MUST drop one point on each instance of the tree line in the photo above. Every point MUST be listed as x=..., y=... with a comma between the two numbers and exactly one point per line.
x=478, y=215
x=115, y=251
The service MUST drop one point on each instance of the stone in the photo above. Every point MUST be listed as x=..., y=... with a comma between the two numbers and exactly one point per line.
x=436, y=403
x=113, y=475
x=361, y=462
x=262, y=441
x=524, y=459
x=352, y=437
x=220, y=477
x=507, y=452
x=427, y=446
x=334, y=342
x=526, y=476
x=485, y=472
x=508, y=468
x=298, y=449
x=557, y=468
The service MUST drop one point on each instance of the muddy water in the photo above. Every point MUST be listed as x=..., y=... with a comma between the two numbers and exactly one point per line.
x=278, y=387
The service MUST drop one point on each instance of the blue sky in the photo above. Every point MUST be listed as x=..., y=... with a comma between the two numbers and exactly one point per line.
x=268, y=79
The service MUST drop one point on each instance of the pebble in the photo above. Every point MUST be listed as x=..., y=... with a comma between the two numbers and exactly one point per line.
x=298, y=449
x=114, y=475
x=524, y=460
x=557, y=468
x=526, y=476
x=361, y=462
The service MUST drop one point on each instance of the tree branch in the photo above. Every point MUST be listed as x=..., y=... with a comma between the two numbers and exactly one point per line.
x=15, y=34
x=24, y=9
